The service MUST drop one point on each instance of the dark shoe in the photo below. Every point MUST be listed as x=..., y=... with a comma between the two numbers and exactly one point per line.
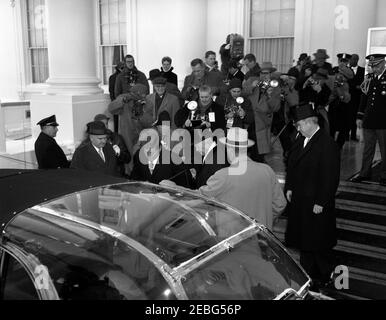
x=358, y=179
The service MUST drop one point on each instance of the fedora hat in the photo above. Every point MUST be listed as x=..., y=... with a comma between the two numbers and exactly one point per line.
x=101, y=117
x=163, y=116
x=237, y=138
x=321, y=54
x=235, y=83
x=96, y=128
x=267, y=66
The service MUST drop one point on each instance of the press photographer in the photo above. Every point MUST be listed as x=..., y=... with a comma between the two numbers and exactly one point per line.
x=316, y=90
x=264, y=93
x=238, y=110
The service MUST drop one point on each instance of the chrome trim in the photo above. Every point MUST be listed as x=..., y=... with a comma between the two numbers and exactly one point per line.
x=160, y=264
x=188, y=266
x=29, y=263
x=286, y=292
x=198, y=217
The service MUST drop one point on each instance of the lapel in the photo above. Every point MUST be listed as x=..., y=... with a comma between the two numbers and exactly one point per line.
x=96, y=155
x=304, y=151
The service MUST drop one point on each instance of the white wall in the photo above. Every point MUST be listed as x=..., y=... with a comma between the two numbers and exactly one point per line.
x=316, y=26
x=172, y=28
x=8, y=54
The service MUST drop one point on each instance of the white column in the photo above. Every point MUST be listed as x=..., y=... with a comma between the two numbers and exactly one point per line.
x=71, y=41
x=73, y=94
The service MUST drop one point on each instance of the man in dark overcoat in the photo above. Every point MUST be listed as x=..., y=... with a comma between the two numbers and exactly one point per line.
x=311, y=183
x=48, y=153
x=95, y=154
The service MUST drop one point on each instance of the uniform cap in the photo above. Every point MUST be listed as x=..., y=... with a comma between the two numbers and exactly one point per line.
x=49, y=121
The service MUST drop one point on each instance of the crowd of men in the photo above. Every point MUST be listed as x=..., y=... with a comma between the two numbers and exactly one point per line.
x=313, y=109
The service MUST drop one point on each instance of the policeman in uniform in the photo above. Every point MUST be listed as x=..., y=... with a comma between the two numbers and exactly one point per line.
x=48, y=153
x=372, y=118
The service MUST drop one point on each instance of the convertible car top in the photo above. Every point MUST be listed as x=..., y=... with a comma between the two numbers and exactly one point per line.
x=22, y=189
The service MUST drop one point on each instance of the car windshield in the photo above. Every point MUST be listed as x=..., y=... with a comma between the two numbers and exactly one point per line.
x=256, y=268
x=175, y=226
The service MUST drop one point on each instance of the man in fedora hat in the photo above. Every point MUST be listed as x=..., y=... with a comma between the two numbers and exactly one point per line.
x=265, y=100
x=160, y=100
x=371, y=117
x=246, y=185
x=320, y=61
x=118, y=143
x=171, y=87
x=95, y=154
x=311, y=183
x=48, y=153
x=316, y=90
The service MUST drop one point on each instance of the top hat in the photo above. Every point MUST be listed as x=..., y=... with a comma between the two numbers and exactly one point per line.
x=375, y=59
x=49, y=121
x=235, y=83
x=154, y=73
x=321, y=54
x=304, y=111
x=237, y=138
x=101, y=117
x=267, y=66
x=96, y=128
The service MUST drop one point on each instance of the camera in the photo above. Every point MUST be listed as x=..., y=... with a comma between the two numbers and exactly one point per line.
x=266, y=84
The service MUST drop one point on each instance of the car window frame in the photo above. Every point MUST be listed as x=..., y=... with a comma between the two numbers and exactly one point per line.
x=29, y=266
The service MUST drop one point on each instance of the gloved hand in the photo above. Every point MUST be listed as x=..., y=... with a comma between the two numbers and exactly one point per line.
x=117, y=150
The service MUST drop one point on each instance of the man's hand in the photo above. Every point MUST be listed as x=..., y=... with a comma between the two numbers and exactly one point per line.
x=168, y=183
x=207, y=124
x=117, y=150
x=255, y=83
x=317, y=87
x=228, y=46
x=359, y=124
x=188, y=123
x=241, y=113
x=317, y=209
x=289, y=195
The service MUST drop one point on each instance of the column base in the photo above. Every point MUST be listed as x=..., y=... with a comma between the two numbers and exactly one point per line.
x=72, y=112
x=73, y=86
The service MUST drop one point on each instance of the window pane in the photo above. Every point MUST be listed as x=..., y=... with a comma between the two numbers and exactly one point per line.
x=107, y=56
x=122, y=33
x=105, y=36
x=114, y=33
x=288, y=4
x=122, y=10
x=113, y=12
x=257, y=24
x=18, y=285
x=287, y=23
x=258, y=5
x=273, y=5
x=104, y=13
x=272, y=23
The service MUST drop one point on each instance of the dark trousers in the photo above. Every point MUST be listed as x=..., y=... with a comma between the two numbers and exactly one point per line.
x=318, y=264
x=371, y=137
x=116, y=122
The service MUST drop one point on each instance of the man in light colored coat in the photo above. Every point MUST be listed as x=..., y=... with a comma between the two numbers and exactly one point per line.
x=246, y=185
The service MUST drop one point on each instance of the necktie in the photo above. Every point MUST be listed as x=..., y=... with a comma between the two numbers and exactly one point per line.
x=101, y=154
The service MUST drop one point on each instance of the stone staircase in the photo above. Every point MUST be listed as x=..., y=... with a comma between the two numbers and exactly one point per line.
x=361, y=223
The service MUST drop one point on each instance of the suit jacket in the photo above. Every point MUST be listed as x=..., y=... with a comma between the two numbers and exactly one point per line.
x=87, y=158
x=179, y=174
x=209, y=167
x=256, y=191
x=169, y=103
x=48, y=153
x=313, y=177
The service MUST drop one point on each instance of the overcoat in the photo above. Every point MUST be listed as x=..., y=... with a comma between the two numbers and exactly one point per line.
x=87, y=158
x=48, y=153
x=313, y=177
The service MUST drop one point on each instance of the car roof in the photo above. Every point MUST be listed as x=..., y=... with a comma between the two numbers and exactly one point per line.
x=22, y=189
